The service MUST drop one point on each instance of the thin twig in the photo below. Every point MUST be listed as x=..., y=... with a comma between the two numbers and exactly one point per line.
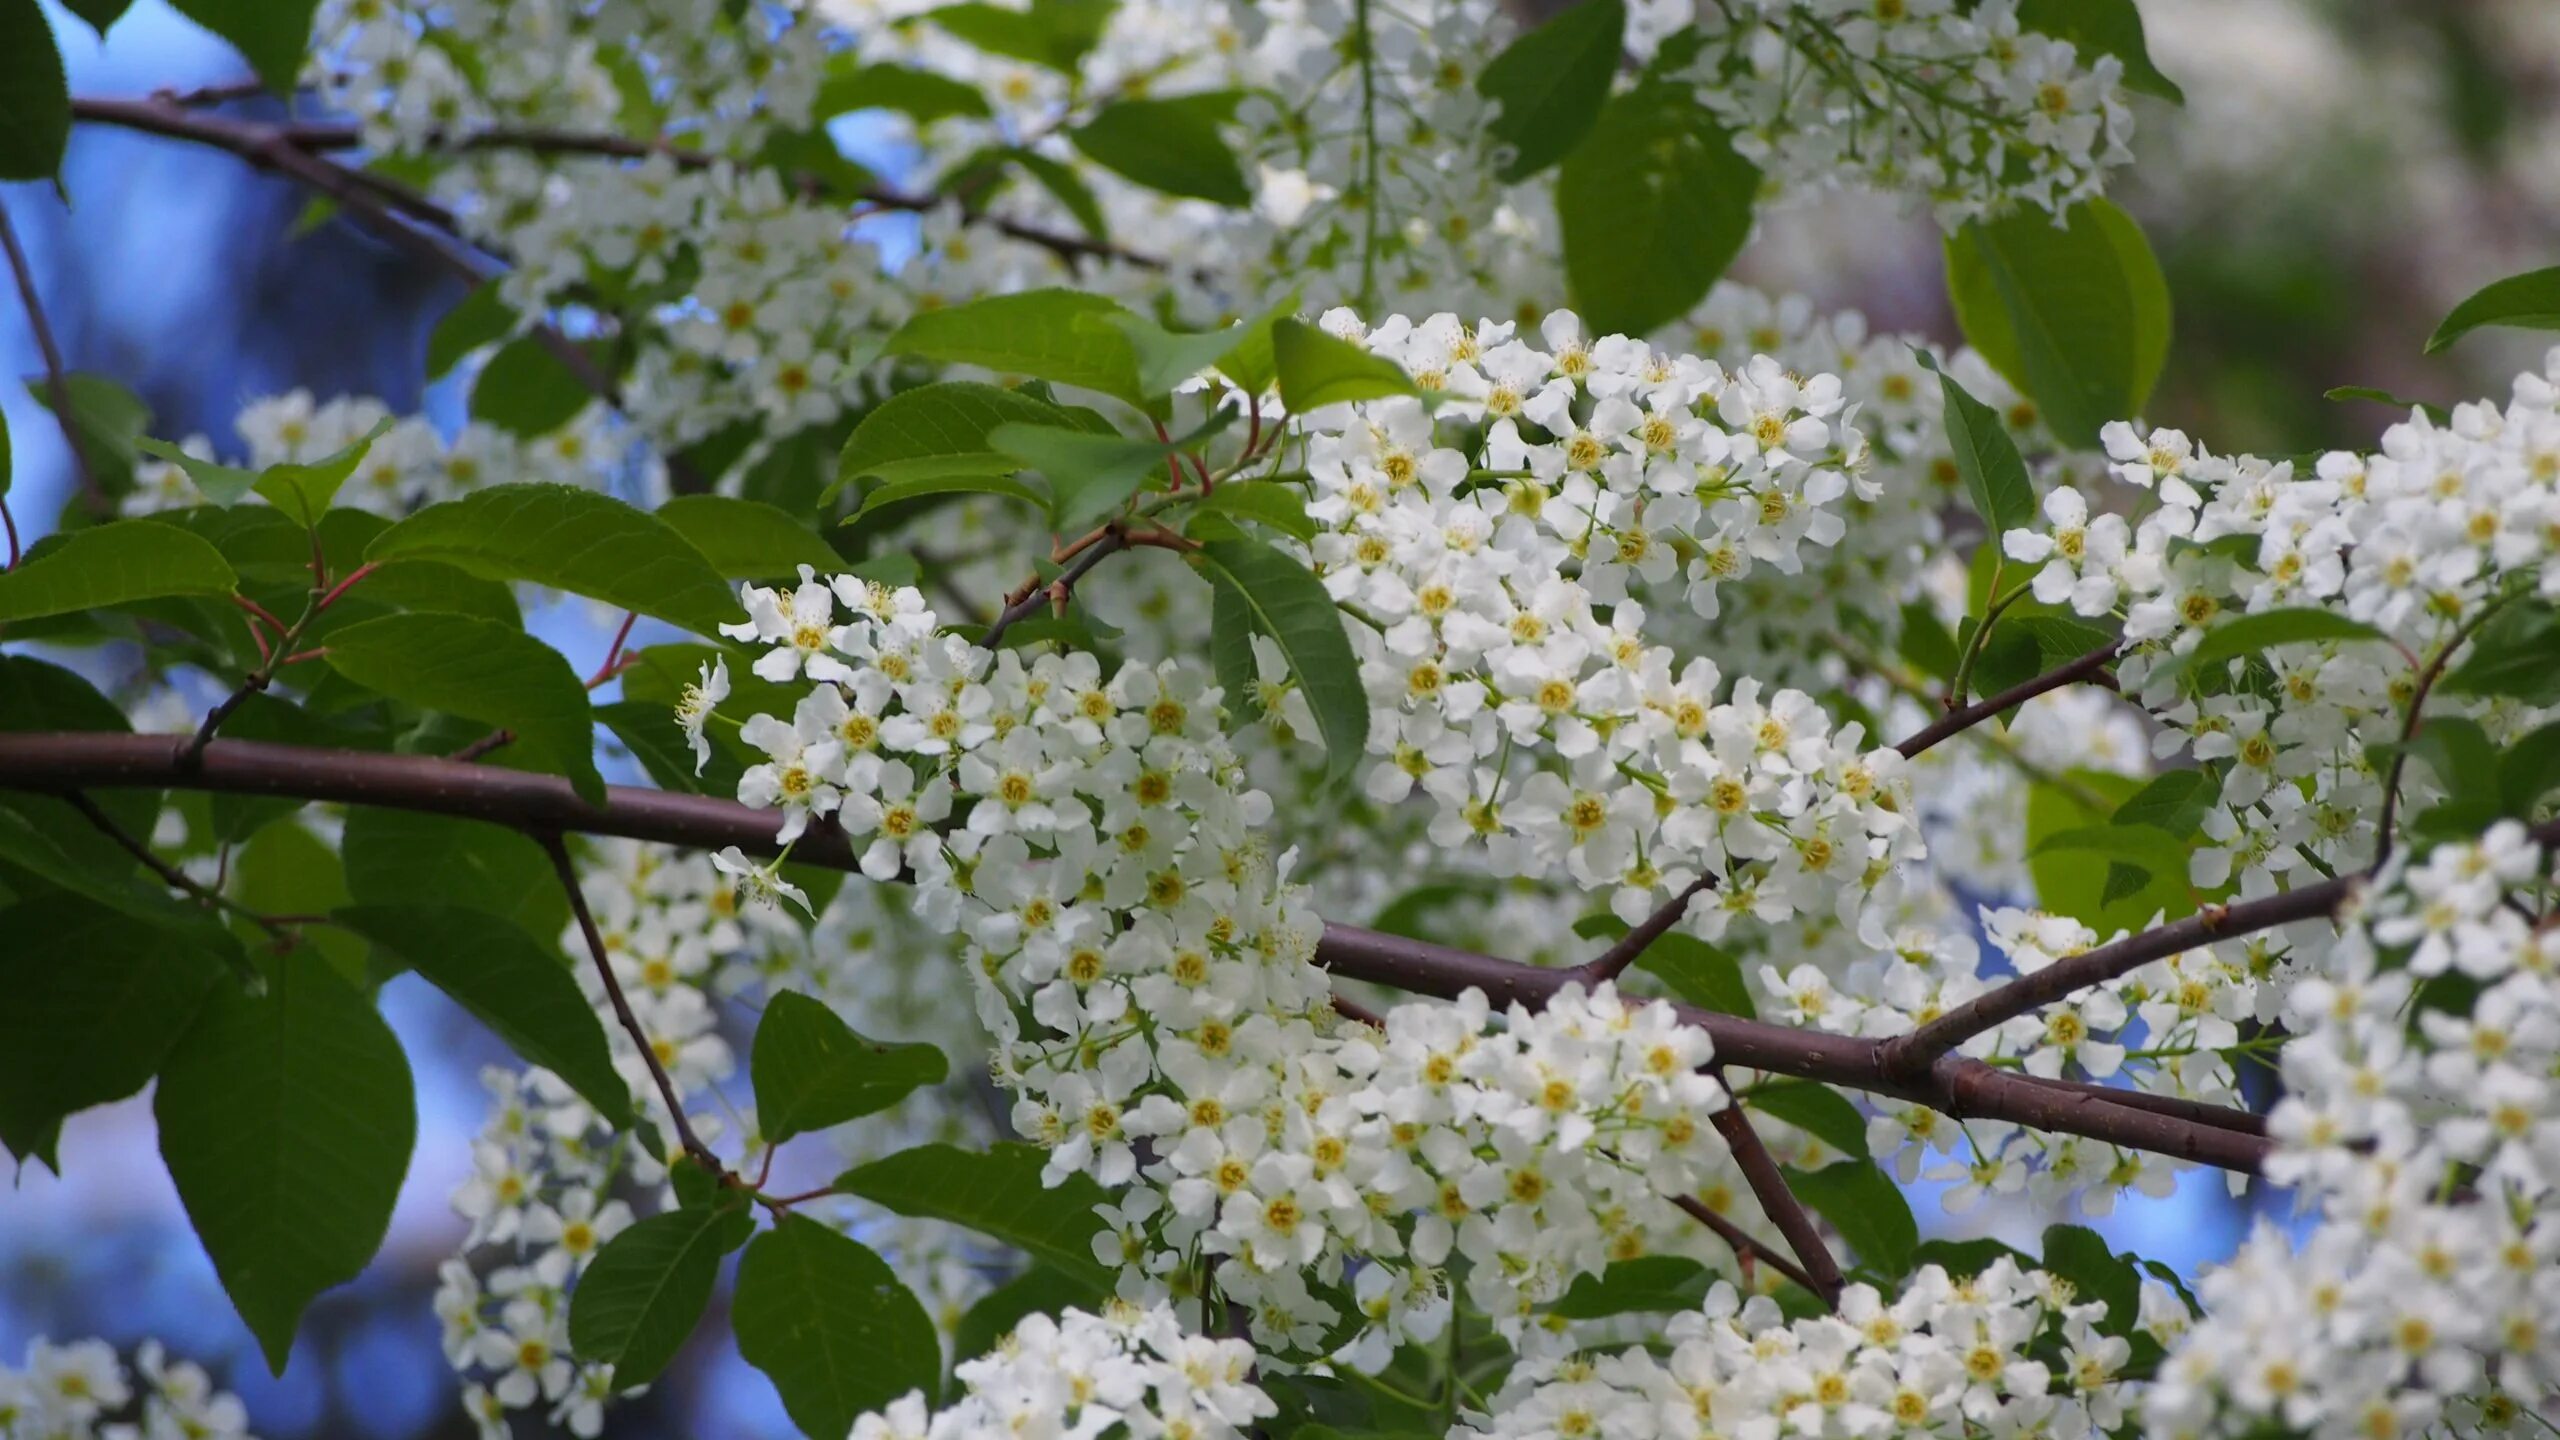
x=1956, y=723
x=57, y=379
x=1745, y=1243
x=278, y=928
x=1609, y=964
x=482, y=746
x=1769, y=1184
x=692, y=1144
x=2409, y=728
x=613, y=652
x=1032, y=596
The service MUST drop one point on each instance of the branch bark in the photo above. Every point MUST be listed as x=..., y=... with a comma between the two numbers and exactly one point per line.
x=2013, y=697
x=57, y=379
x=1962, y=1087
x=1769, y=1184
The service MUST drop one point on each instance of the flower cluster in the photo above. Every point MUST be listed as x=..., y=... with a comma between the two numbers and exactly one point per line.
x=1129, y=1370
x=2421, y=1124
x=410, y=464
x=2002, y=1352
x=82, y=1391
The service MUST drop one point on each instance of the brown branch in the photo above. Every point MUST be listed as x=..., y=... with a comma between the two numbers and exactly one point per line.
x=559, y=850
x=1744, y=1243
x=1784, y=1210
x=495, y=739
x=2409, y=728
x=57, y=380
x=1035, y=594
x=1961, y=1087
x=278, y=928
x=1609, y=964
x=2086, y=667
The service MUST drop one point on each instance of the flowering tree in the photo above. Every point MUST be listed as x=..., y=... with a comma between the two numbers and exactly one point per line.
x=1464, y=767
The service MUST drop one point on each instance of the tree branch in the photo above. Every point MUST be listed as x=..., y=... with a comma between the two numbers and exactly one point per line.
x=1609, y=964
x=1032, y=596
x=559, y=851
x=1744, y=1243
x=1784, y=1210
x=1959, y=1086
x=278, y=929
x=57, y=380
x=2011, y=698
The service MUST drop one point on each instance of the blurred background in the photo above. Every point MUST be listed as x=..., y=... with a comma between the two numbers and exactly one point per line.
x=2343, y=172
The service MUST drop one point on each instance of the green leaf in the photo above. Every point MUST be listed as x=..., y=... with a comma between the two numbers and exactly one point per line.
x=1654, y=205
x=96, y=1001
x=829, y=1323
x=812, y=1071
x=1089, y=476
x=1551, y=83
x=303, y=492
x=1264, y=502
x=939, y=432
x=2528, y=771
x=1166, y=358
x=1700, y=974
x=1866, y=1207
x=1039, y=1290
x=515, y=986
x=112, y=564
x=747, y=539
x=288, y=870
x=1995, y=474
x=2067, y=884
x=2079, y=1255
x=2436, y=413
x=270, y=34
x=286, y=1120
x=1036, y=333
x=99, y=13
x=2251, y=634
x=920, y=94
x=109, y=419
x=1964, y=1259
x=2511, y=656
x=35, y=98
x=2530, y=301
x=2102, y=27
x=1054, y=33
x=898, y=492
x=404, y=857
x=221, y=484
x=2464, y=762
x=2173, y=803
x=482, y=671
x=1315, y=369
x=1648, y=1282
x=1289, y=604
x=2076, y=315
x=1818, y=1110
x=648, y=1286
x=477, y=319
x=1170, y=145
x=995, y=1192
x=569, y=539
x=526, y=391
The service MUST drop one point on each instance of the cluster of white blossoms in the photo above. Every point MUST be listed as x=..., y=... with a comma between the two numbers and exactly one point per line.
x=1952, y=103
x=2002, y=1352
x=2421, y=1127
x=1565, y=742
x=411, y=464
x=1130, y=1370
x=82, y=1391
x=1144, y=965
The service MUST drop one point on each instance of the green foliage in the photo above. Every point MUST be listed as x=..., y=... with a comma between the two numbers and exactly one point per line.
x=1868, y=1210
x=1089, y=476
x=1054, y=33
x=270, y=34
x=286, y=1119
x=477, y=319
x=1041, y=334
x=2174, y=803
x=482, y=671
x=831, y=1326
x=2102, y=27
x=1316, y=369
x=303, y=492
x=1650, y=1282
x=96, y=1001
x=112, y=564
x=1264, y=502
x=2511, y=655
x=812, y=1071
x=526, y=390
x=1654, y=204
x=2530, y=301
x=1040, y=1290
x=2065, y=880
x=995, y=1192
x=920, y=94
x=109, y=419
x=1285, y=601
x=747, y=539
x=648, y=1286
x=511, y=983
x=407, y=857
x=99, y=13
x=2075, y=315
x=1169, y=145
x=35, y=99
x=2247, y=635
x=1551, y=83
x=1995, y=474
x=573, y=540
x=940, y=432
x=221, y=484
x=1818, y=1110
